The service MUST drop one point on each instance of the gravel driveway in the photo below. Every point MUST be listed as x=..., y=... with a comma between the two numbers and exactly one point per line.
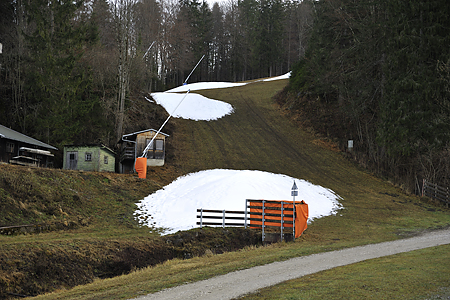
x=235, y=284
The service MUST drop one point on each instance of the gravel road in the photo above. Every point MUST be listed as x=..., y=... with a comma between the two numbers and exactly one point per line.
x=235, y=284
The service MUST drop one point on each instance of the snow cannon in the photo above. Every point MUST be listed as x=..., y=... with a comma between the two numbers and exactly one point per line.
x=141, y=167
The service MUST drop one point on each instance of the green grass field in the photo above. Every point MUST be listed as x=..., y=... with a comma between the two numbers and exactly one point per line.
x=421, y=274
x=258, y=136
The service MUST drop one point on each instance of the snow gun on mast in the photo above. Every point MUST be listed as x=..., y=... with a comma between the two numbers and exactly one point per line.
x=140, y=164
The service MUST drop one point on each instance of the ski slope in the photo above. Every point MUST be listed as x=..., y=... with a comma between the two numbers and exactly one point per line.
x=174, y=207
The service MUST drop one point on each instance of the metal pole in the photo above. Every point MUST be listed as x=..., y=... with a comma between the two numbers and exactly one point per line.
x=293, y=226
x=144, y=153
x=245, y=217
x=148, y=49
x=294, y=193
x=201, y=218
x=263, y=216
x=223, y=218
x=282, y=213
x=293, y=218
x=193, y=69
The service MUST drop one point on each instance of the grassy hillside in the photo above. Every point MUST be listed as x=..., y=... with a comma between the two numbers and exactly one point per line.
x=89, y=229
x=40, y=196
x=256, y=136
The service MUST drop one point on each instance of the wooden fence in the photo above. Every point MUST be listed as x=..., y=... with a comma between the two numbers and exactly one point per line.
x=222, y=215
x=437, y=192
x=260, y=215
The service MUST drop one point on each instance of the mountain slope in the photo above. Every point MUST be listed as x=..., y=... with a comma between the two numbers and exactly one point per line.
x=258, y=136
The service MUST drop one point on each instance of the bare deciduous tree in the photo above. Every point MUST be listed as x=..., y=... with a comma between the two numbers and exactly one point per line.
x=122, y=11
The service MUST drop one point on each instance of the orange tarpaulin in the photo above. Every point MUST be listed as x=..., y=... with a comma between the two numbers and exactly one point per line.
x=274, y=207
x=141, y=167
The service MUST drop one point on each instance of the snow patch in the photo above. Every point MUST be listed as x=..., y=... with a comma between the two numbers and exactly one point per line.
x=285, y=76
x=204, y=86
x=194, y=106
x=197, y=107
x=175, y=206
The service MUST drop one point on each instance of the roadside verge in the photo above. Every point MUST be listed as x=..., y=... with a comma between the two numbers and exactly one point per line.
x=236, y=284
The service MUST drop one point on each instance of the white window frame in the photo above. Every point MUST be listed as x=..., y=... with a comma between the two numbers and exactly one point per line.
x=88, y=156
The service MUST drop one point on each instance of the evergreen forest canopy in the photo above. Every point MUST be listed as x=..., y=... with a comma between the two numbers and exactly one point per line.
x=378, y=72
x=77, y=71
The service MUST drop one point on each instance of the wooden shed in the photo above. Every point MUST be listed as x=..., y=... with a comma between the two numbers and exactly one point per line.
x=133, y=144
x=17, y=148
x=98, y=158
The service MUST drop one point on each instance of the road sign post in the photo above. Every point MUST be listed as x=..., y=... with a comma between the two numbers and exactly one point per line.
x=294, y=192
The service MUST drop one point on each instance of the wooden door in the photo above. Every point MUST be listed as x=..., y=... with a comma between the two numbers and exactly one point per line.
x=72, y=160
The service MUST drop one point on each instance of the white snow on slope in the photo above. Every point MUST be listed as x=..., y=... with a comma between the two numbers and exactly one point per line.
x=175, y=206
x=194, y=106
x=197, y=107
x=204, y=86
x=218, y=85
x=285, y=76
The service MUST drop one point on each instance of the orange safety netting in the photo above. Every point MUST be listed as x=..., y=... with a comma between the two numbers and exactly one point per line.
x=141, y=167
x=301, y=214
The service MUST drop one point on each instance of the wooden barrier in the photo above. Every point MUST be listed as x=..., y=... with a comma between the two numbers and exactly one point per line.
x=437, y=192
x=222, y=215
x=260, y=214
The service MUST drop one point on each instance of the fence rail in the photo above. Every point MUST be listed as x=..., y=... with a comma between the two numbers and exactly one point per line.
x=222, y=215
x=257, y=214
x=437, y=192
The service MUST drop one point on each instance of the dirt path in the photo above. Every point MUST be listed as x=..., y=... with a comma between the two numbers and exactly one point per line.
x=239, y=283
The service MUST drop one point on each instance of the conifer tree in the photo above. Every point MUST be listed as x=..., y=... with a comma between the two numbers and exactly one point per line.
x=383, y=64
x=56, y=82
x=269, y=36
x=414, y=110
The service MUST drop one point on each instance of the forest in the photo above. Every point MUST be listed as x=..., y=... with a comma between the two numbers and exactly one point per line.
x=76, y=72
x=377, y=72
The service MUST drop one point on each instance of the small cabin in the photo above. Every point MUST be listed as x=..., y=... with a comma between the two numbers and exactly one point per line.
x=17, y=148
x=133, y=145
x=97, y=158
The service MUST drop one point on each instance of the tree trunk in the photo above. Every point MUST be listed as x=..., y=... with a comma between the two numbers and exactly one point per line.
x=122, y=10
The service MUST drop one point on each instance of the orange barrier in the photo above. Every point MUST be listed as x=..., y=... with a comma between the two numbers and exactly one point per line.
x=272, y=214
x=141, y=167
